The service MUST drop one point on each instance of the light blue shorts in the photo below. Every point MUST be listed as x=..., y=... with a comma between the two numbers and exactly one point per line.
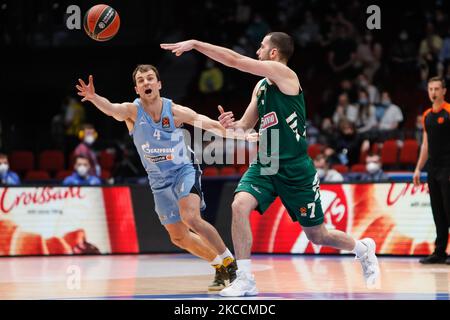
x=167, y=191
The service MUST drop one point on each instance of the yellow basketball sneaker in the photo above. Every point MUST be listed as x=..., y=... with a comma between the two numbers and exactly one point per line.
x=219, y=279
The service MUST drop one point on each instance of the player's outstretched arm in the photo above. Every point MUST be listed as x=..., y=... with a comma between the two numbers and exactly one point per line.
x=189, y=116
x=273, y=70
x=120, y=111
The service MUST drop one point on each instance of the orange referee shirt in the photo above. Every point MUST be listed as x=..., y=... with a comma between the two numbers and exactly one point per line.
x=437, y=126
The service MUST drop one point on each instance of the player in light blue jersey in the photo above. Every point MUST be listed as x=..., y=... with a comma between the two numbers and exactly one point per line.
x=154, y=124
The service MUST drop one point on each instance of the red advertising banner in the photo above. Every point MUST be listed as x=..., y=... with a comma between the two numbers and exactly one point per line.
x=66, y=220
x=397, y=216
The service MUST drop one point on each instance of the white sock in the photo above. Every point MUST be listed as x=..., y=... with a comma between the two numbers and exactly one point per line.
x=245, y=265
x=226, y=254
x=217, y=261
x=360, y=248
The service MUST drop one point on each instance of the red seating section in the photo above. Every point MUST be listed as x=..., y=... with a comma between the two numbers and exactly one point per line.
x=37, y=175
x=21, y=161
x=341, y=168
x=410, y=152
x=51, y=160
x=389, y=153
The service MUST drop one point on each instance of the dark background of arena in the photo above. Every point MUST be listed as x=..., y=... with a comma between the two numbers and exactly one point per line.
x=41, y=59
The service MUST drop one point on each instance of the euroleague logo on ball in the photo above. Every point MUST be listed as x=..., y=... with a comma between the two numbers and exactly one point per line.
x=101, y=22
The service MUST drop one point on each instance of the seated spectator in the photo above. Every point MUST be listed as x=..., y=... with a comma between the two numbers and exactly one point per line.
x=211, y=78
x=323, y=170
x=363, y=82
x=403, y=54
x=366, y=121
x=308, y=31
x=327, y=135
x=81, y=176
x=348, y=144
x=374, y=171
x=429, y=51
x=88, y=136
x=7, y=177
x=391, y=119
x=341, y=55
x=368, y=55
x=345, y=110
x=444, y=54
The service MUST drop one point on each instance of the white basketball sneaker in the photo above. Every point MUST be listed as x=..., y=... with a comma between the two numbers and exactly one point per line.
x=369, y=263
x=243, y=285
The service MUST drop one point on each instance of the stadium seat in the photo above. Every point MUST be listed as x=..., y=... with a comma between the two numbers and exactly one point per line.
x=409, y=152
x=62, y=174
x=228, y=171
x=37, y=175
x=21, y=161
x=389, y=153
x=359, y=167
x=105, y=175
x=106, y=160
x=210, y=172
x=314, y=149
x=341, y=168
x=51, y=160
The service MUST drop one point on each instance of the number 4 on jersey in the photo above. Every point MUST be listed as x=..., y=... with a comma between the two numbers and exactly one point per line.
x=157, y=134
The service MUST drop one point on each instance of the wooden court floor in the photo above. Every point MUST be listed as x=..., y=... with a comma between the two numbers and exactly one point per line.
x=181, y=276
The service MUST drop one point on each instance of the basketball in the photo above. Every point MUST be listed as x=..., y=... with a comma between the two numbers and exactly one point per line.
x=101, y=22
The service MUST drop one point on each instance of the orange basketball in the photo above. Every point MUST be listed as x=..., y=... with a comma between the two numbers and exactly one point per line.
x=101, y=22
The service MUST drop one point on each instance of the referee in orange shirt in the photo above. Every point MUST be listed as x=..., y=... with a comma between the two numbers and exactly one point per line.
x=436, y=149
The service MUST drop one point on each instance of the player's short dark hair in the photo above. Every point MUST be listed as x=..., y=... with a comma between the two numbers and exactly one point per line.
x=145, y=68
x=438, y=79
x=284, y=43
x=3, y=156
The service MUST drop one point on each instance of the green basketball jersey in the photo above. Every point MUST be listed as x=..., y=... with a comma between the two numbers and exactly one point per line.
x=282, y=125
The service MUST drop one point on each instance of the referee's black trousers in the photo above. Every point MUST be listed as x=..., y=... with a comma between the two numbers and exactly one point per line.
x=439, y=186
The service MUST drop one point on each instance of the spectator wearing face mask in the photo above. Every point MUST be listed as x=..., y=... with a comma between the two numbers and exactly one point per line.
x=367, y=121
x=81, y=176
x=363, y=82
x=374, y=171
x=88, y=136
x=324, y=172
x=7, y=177
x=391, y=119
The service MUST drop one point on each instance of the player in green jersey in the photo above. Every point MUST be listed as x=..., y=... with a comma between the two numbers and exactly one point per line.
x=285, y=171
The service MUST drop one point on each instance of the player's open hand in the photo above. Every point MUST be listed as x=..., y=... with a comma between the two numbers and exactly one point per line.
x=86, y=91
x=179, y=48
x=226, y=119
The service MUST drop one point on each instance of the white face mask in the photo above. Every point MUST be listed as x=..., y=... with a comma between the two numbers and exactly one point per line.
x=386, y=102
x=4, y=167
x=320, y=172
x=372, y=167
x=89, y=139
x=82, y=170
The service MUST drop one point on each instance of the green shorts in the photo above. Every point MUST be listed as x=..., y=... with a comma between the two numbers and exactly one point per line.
x=297, y=185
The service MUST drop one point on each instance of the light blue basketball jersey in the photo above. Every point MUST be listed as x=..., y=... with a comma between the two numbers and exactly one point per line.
x=160, y=145
x=170, y=166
